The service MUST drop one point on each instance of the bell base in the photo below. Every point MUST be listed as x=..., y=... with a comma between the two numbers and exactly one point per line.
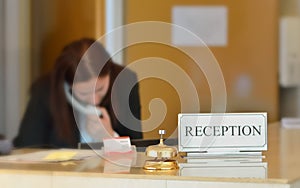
x=160, y=165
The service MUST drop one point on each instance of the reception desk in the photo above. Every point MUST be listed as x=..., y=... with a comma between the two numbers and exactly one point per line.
x=282, y=159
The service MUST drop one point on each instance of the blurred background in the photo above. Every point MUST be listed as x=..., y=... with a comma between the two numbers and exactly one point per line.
x=259, y=58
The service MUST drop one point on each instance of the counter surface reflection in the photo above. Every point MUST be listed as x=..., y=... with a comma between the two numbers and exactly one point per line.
x=282, y=159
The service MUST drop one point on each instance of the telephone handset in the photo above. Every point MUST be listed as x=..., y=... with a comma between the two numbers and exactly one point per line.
x=86, y=109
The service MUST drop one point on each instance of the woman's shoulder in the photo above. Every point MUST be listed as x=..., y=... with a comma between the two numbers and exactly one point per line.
x=41, y=85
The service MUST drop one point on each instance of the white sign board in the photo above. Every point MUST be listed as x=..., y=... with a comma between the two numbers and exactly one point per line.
x=230, y=132
x=209, y=23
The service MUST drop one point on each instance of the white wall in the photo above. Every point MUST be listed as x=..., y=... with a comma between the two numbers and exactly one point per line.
x=11, y=67
x=15, y=63
x=290, y=97
x=2, y=120
x=114, y=19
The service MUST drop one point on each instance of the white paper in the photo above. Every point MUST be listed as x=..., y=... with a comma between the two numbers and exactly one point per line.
x=117, y=145
x=207, y=22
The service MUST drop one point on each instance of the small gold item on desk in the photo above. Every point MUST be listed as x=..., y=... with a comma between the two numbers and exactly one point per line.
x=163, y=156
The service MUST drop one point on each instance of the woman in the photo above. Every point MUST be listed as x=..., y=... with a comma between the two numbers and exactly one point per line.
x=51, y=120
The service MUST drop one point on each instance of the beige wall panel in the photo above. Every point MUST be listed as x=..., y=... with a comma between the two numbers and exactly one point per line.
x=58, y=22
x=248, y=62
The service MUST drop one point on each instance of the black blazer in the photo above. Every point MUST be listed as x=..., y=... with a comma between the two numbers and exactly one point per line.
x=37, y=130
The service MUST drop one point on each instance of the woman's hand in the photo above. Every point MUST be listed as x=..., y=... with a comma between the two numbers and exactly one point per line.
x=99, y=128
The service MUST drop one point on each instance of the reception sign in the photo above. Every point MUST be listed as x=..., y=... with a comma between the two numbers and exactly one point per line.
x=203, y=132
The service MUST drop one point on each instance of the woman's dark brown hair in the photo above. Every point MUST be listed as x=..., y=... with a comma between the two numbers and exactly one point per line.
x=85, y=58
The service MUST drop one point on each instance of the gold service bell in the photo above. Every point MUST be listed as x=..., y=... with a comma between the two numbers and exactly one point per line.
x=163, y=156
